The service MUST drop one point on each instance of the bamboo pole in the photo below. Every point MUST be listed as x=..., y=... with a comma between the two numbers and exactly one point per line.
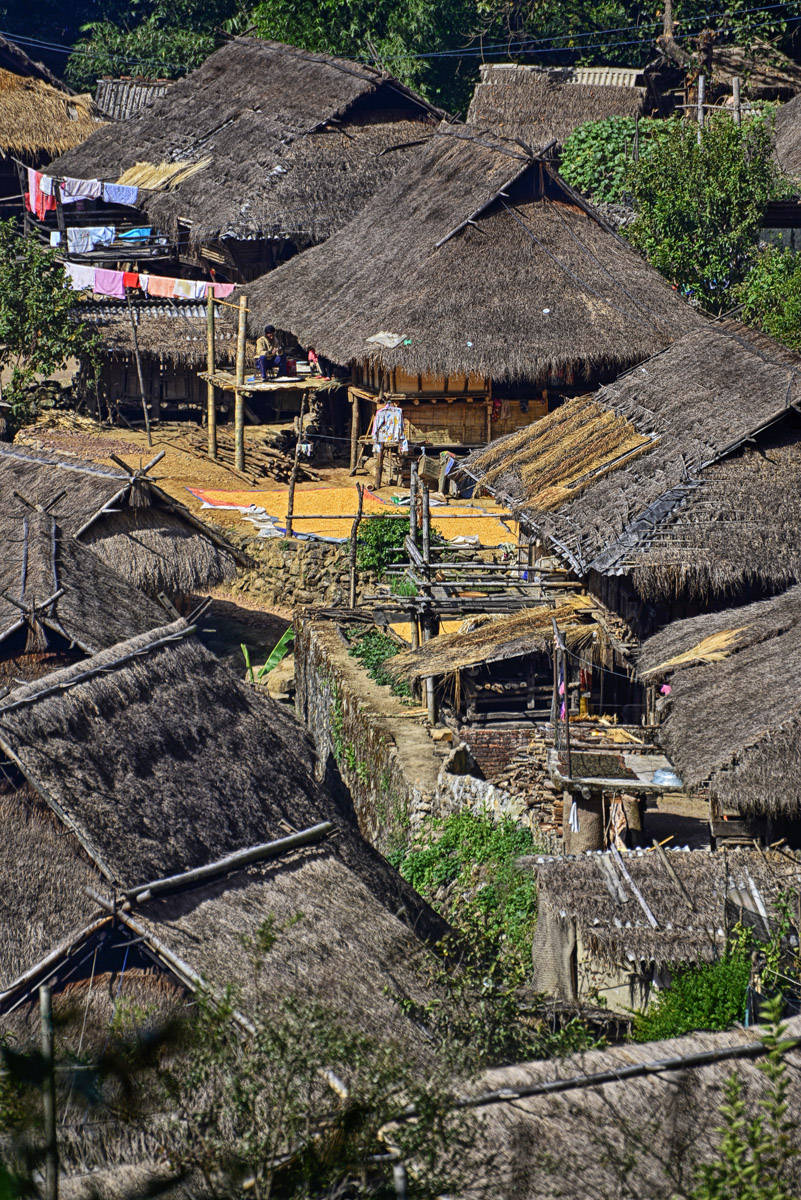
x=354, y=431
x=239, y=399
x=701, y=88
x=354, y=534
x=413, y=489
x=735, y=93
x=290, y=499
x=211, y=407
x=138, y=358
x=49, y=1094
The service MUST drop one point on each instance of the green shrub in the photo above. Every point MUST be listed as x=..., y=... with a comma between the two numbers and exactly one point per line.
x=771, y=295
x=379, y=543
x=477, y=856
x=709, y=996
x=372, y=649
x=596, y=157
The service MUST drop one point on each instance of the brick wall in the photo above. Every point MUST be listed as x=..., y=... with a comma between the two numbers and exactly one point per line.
x=495, y=746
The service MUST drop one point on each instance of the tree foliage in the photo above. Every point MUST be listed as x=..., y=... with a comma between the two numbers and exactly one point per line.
x=597, y=156
x=700, y=206
x=771, y=295
x=38, y=329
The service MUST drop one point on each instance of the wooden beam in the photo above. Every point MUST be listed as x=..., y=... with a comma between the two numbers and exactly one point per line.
x=239, y=399
x=211, y=405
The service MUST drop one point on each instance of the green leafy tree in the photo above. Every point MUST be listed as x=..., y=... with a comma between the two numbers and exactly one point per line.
x=597, y=157
x=38, y=329
x=700, y=206
x=771, y=295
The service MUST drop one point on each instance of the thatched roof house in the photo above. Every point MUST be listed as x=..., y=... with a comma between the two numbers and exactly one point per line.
x=721, y=726
x=680, y=476
x=59, y=601
x=129, y=522
x=476, y=276
x=631, y=1120
x=541, y=105
x=158, y=761
x=617, y=924
x=122, y=98
x=263, y=142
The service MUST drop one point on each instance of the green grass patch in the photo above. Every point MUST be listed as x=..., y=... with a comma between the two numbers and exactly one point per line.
x=372, y=649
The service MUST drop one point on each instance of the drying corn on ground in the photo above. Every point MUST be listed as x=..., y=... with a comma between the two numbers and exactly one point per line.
x=313, y=500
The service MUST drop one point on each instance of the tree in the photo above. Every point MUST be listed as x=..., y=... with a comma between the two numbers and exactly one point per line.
x=771, y=295
x=700, y=206
x=597, y=156
x=39, y=331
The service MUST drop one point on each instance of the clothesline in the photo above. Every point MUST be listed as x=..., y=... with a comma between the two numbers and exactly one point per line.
x=105, y=282
x=42, y=198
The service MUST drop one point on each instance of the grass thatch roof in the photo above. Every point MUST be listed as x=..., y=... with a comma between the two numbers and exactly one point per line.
x=540, y=106
x=38, y=120
x=480, y=259
x=130, y=523
x=787, y=124
x=14, y=59
x=158, y=757
x=648, y=475
x=96, y=608
x=274, y=142
x=622, y=1137
x=502, y=638
x=733, y=715
x=692, y=916
x=165, y=329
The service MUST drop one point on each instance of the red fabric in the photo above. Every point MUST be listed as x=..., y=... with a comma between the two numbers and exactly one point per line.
x=130, y=279
x=35, y=199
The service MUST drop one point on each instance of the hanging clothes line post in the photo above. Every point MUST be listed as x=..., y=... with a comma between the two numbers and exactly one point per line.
x=290, y=500
x=211, y=407
x=138, y=358
x=701, y=90
x=239, y=399
x=49, y=1093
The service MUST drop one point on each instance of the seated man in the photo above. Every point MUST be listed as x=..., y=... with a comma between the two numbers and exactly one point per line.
x=270, y=352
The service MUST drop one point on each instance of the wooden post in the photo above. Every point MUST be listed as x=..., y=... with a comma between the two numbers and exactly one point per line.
x=354, y=431
x=379, y=467
x=211, y=406
x=290, y=500
x=62, y=224
x=735, y=94
x=413, y=488
x=139, y=367
x=426, y=530
x=239, y=399
x=489, y=418
x=701, y=87
x=559, y=647
x=637, y=137
x=354, y=533
x=49, y=1094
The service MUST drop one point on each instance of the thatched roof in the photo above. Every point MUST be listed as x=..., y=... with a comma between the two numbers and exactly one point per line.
x=476, y=258
x=120, y=99
x=95, y=609
x=129, y=522
x=38, y=120
x=788, y=138
x=157, y=756
x=692, y=916
x=261, y=141
x=165, y=329
x=580, y=620
x=540, y=105
x=649, y=475
x=763, y=70
x=640, y=1136
x=733, y=714
x=14, y=59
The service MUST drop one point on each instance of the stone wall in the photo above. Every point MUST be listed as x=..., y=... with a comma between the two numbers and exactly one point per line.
x=379, y=752
x=494, y=746
x=290, y=572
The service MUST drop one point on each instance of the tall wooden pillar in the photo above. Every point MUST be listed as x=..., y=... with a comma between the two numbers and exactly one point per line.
x=239, y=399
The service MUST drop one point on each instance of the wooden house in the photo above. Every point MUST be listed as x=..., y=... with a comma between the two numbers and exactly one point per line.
x=39, y=118
x=501, y=670
x=59, y=602
x=477, y=290
x=542, y=105
x=261, y=151
x=671, y=490
x=129, y=522
x=634, y=1120
x=141, y=845
x=724, y=690
x=170, y=338
x=615, y=927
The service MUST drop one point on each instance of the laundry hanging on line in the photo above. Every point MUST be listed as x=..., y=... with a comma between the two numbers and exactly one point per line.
x=113, y=283
x=72, y=190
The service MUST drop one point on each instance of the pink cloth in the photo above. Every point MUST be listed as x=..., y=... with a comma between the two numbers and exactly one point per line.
x=158, y=285
x=109, y=283
x=221, y=290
